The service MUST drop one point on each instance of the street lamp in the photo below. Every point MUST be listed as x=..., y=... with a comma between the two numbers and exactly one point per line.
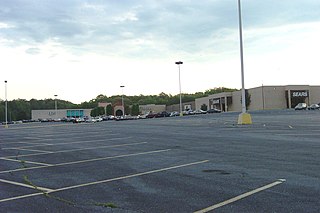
x=6, y=104
x=122, y=100
x=179, y=63
x=56, y=106
x=244, y=117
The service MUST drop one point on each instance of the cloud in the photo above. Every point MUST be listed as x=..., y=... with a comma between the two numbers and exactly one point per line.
x=33, y=51
x=142, y=28
x=64, y=36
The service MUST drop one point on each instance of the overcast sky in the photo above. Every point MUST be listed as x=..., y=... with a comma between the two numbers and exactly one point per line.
x=79, y=49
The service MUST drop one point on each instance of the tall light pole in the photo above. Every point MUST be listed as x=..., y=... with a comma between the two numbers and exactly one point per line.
x=122, y=100
x=55, y=105
x=179, y=63
x=244, y=117
x=6, y=103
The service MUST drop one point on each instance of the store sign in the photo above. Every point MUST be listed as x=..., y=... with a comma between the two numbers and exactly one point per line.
x=215, y=101
x=300, y=94
x=51, y=113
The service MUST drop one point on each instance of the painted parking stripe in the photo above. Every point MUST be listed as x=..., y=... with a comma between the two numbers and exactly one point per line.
x=112, y=157
x=74, y=142
x=74, y=150
x=33, y=150
x=232, y=200
x=21, y=142
x=35, y=127
x=107, y=180
x=130, y=176
x=84, y=161
x=25, y=185
x=24, y=161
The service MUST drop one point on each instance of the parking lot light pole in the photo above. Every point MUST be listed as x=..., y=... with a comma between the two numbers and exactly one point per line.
x=56, y=106
x=6, y=103
x=122, y=100
x=244, y=117
x=179, y=63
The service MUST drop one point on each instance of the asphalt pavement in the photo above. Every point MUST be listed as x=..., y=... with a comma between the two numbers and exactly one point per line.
x=198, y=163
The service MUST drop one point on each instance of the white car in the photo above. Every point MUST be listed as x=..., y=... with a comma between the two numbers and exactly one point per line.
x=301, y=106
x=199, y=111
x=314, y=107
x=91, y=120
x=173, y=114
x=98, y=119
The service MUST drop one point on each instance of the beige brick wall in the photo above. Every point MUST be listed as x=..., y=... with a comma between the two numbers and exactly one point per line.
x=266, y=97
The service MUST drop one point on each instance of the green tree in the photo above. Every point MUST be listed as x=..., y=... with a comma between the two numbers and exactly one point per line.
x=109, y=110
x=135, y=109
x=218, y=90
x=97, y=111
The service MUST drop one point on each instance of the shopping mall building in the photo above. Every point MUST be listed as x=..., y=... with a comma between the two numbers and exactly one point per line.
x=259, y=98
x=59, y=113
x=263, y=98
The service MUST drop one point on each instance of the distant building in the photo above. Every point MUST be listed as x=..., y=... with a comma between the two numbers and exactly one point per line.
x=60, y=113
x=261, y=98
x=151, y=108
x=185, y=107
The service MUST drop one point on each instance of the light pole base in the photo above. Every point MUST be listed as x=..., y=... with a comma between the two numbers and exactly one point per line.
x=244, y=118
x=181, y=114
x=6, y=126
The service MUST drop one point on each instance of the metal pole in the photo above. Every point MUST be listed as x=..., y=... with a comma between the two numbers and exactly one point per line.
x=242, y=65
x=122, y=101
x=262, y=97
x=180, y=92
x=179, y=63
x=6, y=104
x=244, y=117
x=56, y=106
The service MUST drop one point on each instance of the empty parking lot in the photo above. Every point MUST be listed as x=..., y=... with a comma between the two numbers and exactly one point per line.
x=183, y=164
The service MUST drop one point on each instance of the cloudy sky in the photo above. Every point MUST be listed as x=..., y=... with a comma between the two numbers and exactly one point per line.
x=79, y=49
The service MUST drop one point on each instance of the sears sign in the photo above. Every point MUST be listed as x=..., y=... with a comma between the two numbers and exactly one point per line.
x=301, y=93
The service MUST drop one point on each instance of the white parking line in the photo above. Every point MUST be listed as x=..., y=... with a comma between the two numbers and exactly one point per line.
x=232, y=200
x=19, y=142
x=25, y=185
x=73, y=150
x=20, y=197
x=33, y=138
x=31, y=162
x=112, y=157
x=35, y=127
x=75, y=142
x=84, y=161
x=33, y=150
x=300, y=134
x=107, y=180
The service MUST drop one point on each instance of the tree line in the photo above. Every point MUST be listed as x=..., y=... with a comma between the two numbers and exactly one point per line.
x=20, y=109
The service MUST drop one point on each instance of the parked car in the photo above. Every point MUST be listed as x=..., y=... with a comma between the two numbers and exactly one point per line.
x=199, y=111
x=301, y=106
x=98, y=119
x=314, y=106
x=108, y=117
x=151, y=115
x=78, y=120
x=90, y=120
x=214, y=111
x=162, y=114
x=188, y=112
x=173, y=114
